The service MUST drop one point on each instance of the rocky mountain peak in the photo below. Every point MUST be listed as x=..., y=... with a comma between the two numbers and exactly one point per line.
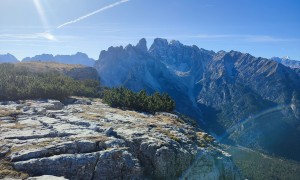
x=102, y=54
x=176, y=43
x=80, y=54
x=111, y=52
x=235, y=54
x=45, y=56
x=128, y=47
x=142, y=45
x=159, y=43
x=9, y=58
x=115, y=49
x=42, y=57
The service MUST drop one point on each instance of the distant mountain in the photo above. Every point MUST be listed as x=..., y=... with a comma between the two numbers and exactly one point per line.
x=42, y=57
x=8, y=58
x=254, y=102
x=287, y=62
x=78, y=58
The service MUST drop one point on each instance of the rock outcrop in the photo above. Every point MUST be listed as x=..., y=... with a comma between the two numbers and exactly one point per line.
x=93, y=141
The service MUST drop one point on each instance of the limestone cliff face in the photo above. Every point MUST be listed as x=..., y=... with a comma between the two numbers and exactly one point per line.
x=89, y=140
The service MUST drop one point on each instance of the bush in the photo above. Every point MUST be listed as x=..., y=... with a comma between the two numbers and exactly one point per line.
x=19, y=83
x=124, y=98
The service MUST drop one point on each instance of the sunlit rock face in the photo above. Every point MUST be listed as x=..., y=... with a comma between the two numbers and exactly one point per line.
x=220, y=90
x=89, y=140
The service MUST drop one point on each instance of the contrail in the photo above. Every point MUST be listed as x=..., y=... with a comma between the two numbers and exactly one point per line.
x=92, y=13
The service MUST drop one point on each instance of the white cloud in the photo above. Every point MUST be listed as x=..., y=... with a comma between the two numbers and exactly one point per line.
x=92, y=13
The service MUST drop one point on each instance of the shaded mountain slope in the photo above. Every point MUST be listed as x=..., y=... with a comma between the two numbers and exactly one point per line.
x=246, y=100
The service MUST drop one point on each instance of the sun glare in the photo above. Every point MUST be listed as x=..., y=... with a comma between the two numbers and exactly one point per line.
x=48, y=36
x=41, y=13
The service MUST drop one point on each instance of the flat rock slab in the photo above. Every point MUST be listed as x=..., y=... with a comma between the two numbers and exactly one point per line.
x=46, y=177
x=90, y=140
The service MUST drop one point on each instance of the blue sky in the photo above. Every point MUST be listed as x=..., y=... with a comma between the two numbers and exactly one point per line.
x=263, y=28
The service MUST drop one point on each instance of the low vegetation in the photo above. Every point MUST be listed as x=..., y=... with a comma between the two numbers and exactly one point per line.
x=20, y=83
x=255, y=165
x=126, y=99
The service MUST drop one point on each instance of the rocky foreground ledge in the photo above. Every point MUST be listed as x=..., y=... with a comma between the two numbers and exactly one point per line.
x=87, y=139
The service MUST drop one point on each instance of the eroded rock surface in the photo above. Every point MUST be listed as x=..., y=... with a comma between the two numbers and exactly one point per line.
x=93, y=141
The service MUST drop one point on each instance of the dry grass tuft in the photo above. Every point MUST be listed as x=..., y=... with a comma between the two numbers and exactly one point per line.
x=168, y=133
x=7, y=171
x=90, y=116
x=17, y=126
x=204, y=139
x=98, y=138
x=9, y=112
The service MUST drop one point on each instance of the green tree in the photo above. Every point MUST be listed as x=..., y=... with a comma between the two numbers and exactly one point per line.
x=126, y=99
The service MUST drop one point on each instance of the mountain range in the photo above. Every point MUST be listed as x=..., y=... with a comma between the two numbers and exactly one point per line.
x=83, y=59
x=287, y=62
x=254, y=102
x=241, y=99
x=78, y=58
